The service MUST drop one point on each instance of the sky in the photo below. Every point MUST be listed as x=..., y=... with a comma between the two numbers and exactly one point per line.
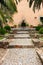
x=24, y=12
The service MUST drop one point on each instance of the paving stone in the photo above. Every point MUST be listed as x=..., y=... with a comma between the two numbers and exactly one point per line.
x=22, y=56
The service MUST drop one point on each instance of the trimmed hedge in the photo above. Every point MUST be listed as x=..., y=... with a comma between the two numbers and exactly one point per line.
x=2, y=31
x=7, y=28
x=41, y=31
x=38, y=28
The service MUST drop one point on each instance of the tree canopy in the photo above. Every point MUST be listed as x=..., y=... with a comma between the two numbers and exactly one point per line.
x=36, y=3
x=7, y=8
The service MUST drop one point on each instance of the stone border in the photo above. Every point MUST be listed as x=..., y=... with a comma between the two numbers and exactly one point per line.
x=4, y=56
x=39, y=58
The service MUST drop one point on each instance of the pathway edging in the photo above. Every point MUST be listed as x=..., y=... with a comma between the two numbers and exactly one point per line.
x=4, y=56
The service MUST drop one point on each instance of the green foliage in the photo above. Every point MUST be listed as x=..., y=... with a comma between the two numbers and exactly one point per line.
x=36, y=4
x=17, y=1
x=41, y=31
x=2, y=31
x=7, y=8
x=1, y=38
x=7, y=28
x=38, y=27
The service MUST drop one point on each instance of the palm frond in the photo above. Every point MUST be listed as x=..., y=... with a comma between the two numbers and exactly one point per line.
x=7, y=8
x=17, y=1
x=30, y=3
x=37, y=4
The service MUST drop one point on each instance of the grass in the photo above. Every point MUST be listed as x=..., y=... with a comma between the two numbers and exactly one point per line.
x=1, y=38
x=41, y=38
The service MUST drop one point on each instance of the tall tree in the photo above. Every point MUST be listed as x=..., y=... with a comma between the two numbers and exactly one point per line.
x=7, y=8
x=36, y=3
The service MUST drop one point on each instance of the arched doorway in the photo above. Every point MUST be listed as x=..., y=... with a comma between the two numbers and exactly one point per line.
x=23, y=24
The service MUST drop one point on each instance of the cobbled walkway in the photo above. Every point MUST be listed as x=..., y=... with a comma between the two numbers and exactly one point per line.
x=21, y=56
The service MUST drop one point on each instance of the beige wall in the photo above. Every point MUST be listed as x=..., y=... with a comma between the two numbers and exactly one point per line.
x=27, y=13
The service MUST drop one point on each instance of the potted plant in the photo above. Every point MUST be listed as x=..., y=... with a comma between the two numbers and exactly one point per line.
x=15, y=26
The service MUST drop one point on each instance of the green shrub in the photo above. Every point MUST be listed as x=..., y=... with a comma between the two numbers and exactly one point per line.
x=38, y=28
x=2, y=31
x=41, y=31
x=7, y=28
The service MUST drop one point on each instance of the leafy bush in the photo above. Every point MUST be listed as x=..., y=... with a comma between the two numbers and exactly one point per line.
x=7, y=28
x=2, y=31
x=38, y=28
x=41, y=31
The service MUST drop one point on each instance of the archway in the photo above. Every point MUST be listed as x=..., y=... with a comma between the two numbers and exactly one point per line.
x=23, y=23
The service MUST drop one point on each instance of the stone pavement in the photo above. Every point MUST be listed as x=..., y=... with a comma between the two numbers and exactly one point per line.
x=22, y=42
x=22, y=56
x=21, y=39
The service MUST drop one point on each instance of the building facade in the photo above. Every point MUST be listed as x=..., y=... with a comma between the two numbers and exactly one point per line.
x=26, y=13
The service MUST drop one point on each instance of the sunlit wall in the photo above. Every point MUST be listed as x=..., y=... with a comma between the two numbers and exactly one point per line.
x=24, y=12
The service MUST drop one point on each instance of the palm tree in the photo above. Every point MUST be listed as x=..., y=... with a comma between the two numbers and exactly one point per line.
x=7, y=8
x=36, y=3
x=17, y=1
